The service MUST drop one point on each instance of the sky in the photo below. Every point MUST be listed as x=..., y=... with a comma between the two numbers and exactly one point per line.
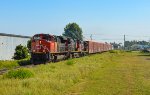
x=106, y=20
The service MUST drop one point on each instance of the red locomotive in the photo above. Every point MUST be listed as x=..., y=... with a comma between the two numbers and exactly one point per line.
x=45, y=47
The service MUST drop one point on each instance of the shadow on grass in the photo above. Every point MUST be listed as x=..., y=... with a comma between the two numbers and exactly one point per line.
x=144, y=55
x=147, y=55
x=147, y=58
x=24, y=62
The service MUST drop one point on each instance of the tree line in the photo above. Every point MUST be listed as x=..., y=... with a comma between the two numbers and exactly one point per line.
x=129, y=44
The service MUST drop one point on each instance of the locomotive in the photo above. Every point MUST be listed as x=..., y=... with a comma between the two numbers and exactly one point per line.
x=46, y=48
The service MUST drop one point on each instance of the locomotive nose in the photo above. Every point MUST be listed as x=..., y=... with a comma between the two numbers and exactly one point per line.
x=37, y=46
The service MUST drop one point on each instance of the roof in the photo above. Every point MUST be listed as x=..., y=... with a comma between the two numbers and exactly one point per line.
x=13, y=35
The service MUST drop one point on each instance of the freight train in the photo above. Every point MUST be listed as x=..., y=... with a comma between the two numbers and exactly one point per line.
x=46, y=48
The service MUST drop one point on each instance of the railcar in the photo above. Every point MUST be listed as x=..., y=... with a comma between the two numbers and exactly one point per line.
x=96, y=47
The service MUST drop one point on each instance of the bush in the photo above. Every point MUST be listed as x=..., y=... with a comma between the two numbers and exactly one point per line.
x=21, y=52
x=70, y=62
x=20, y=74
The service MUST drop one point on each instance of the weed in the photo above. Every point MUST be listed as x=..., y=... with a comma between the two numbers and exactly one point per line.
x=25, y=84
x=70, y=62
x=53, y=67
x=113, y=51
x=19, y=74
x=9, y=64
x=128, y=50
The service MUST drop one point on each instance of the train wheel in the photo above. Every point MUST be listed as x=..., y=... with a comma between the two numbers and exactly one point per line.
x=48, y=57
x=71, y=56
x=31, y=60
x=34, y=62
x=68, y=55
x=55, y=58
x=80, y=54
x=83, y=54
x=51, y=58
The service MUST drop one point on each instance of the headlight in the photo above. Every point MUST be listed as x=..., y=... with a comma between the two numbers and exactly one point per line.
x=40, y=42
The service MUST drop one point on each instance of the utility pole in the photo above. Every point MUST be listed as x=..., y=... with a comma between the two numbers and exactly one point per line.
x=91, y=37
x=124, y=41
x=149, y=41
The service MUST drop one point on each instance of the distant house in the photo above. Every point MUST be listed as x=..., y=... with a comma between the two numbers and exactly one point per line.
x=140, y=47
x=8, y=43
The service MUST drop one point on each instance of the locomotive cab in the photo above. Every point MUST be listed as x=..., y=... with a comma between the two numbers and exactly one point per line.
x=42, y=43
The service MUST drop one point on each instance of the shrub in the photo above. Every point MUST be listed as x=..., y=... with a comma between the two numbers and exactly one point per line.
x=70, y=62
x=20, y=74
x=21, y=52
x=145, y=51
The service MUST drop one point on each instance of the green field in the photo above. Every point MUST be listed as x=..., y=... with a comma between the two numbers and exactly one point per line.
x=115, y=73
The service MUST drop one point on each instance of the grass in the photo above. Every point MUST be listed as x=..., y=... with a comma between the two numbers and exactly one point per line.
x=8, y=64
x=117, y=73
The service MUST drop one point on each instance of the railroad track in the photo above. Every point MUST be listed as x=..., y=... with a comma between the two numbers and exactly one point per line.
x=5, y=70
x=2, y=71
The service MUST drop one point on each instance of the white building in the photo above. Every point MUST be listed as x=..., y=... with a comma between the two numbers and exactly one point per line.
x=8, y=43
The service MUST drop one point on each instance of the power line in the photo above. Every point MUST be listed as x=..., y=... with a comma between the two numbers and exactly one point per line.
x=110, y=39
x=117, y=35
x=116, y=38
x=91, y=37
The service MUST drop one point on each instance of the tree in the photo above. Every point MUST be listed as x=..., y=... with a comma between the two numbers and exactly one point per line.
x=116, y=45
x=130, y=43
x=74, y=31
x=21, y=52
x=29, y=44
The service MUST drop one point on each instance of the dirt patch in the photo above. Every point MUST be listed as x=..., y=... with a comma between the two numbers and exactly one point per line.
x=147, y=58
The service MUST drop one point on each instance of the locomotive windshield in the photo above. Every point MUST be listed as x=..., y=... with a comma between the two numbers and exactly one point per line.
x=42, y=36
x=36, y=37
